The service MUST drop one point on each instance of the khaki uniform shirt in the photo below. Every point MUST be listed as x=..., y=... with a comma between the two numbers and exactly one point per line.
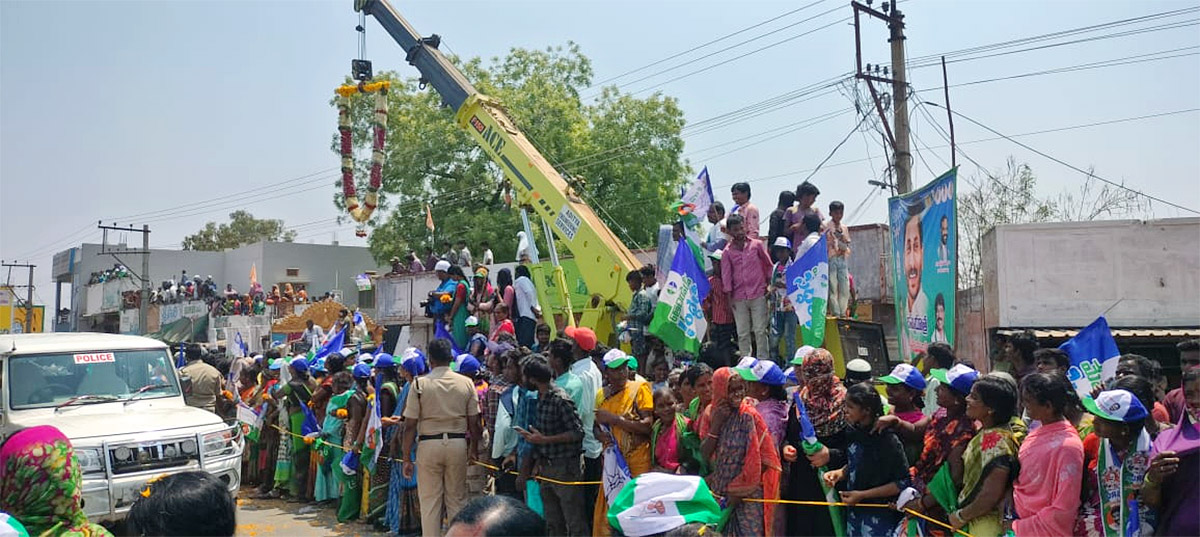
x=441, y=402
x=206, y=385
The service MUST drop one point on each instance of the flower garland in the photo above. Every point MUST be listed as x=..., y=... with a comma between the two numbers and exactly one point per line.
x=370, y=201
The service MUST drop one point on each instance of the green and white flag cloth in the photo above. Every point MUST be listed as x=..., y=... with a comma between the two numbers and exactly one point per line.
x=678, y=319
x=656, y=502
x=11, y=527
x=808, y=289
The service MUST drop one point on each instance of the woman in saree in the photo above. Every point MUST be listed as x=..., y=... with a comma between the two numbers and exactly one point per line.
x=403, y=515
x=381, y=475
x=40, y=484
x=624, y=418
x=744, y=456
x=296, y=394
x=457, y=317
x=990, y=460
x=333, y=438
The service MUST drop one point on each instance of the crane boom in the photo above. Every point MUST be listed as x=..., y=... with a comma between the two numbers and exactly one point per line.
x=602, y=258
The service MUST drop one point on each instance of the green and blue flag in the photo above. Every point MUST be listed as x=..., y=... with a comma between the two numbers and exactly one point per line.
x=808, y=289
x=678, y=319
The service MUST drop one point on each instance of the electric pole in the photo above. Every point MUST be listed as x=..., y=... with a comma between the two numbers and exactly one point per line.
x=898, y=132
x=28, y=294
x=900, y=102
x=144, y=302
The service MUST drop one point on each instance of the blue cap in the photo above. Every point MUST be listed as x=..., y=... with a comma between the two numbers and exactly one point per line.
x=319, y=366
x=960, y=377
x=905, y=374
x=413, y=361
x=465, y=364
x=299, y=363
x=362, y=371
x=384, y=360
x=764, y=371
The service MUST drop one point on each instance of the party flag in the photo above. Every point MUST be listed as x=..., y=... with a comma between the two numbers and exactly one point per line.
x=699, y=194
x=811, y=445
x=656, y=502
x=1094, y=356
x=808, y=289
x=334, y=344
x=678, y=319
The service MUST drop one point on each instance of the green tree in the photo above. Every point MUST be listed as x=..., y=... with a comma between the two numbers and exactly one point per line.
x=243, y=228
x=623, y=152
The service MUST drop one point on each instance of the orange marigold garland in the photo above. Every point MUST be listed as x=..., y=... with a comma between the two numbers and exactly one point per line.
x=370, y=201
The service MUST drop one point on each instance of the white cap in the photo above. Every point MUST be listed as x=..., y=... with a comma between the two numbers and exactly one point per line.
x=442, y=265
x=472, y=321
x=747, y=362
x=783, y=242
x=716, y=254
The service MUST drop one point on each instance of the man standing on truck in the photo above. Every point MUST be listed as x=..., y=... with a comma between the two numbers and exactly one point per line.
x=745, y=274
x=445, y=409
x=205, y=383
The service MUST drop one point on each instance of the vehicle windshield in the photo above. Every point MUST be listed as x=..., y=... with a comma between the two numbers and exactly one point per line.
x=49, y=380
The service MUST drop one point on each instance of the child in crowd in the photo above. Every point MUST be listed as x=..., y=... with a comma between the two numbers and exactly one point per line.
x=906, y=394
x=783, y=323
x=187, y=503
x=659, y=372
x=542, y=338
x=876, y=467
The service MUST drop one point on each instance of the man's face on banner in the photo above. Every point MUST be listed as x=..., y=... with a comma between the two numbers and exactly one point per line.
x=940, y=317
x=945, y=231
x=914, y=256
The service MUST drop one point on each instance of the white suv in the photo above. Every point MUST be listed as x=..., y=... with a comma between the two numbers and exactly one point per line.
x=119, y=400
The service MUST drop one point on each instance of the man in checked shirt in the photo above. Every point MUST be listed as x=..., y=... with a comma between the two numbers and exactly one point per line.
x=557, y=438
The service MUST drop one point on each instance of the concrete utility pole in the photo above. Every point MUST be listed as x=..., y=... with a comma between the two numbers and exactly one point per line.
x=144, y=303
x=897, y=134
x=28, y=294
x=900, y=102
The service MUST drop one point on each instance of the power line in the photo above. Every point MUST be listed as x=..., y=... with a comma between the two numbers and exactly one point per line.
x=1068, y=165
x=232, y=195
x=703, y=45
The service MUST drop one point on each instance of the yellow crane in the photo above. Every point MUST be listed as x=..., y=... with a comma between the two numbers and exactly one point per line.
x=603, y=260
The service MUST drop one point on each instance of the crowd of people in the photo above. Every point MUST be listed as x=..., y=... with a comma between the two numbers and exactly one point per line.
x=459, y=254
x=946, y=448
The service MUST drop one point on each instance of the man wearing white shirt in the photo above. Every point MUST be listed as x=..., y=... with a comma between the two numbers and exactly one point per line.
x=528, y=310
x=812, y=226
x=717, y=238
x=488, y=257
x=313, y=335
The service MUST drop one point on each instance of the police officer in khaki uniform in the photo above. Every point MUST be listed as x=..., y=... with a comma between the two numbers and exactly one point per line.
x=445, y=407
x=205, y=381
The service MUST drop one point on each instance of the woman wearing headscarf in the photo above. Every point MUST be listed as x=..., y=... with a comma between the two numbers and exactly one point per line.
x=744, y=456
x=40, y=484
x=482, y=297
x=403, y=515
x=824, y=396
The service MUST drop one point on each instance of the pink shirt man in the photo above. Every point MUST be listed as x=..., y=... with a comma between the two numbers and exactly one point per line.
x=746, y=271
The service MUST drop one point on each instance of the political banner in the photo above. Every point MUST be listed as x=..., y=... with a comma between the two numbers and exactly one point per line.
x=1094, y=356
x=924, y=227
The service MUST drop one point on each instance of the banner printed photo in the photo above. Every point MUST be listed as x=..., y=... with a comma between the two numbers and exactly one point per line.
x=924, y=226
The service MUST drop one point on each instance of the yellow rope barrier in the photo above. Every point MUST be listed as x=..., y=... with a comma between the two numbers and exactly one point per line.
x=748, y=500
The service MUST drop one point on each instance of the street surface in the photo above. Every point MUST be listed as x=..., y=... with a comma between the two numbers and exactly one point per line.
x=266, y=518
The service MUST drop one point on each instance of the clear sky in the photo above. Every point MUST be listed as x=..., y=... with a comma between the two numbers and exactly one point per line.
x=112, y=110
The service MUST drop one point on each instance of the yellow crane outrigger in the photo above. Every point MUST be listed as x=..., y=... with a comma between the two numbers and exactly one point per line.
x=603, y=260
